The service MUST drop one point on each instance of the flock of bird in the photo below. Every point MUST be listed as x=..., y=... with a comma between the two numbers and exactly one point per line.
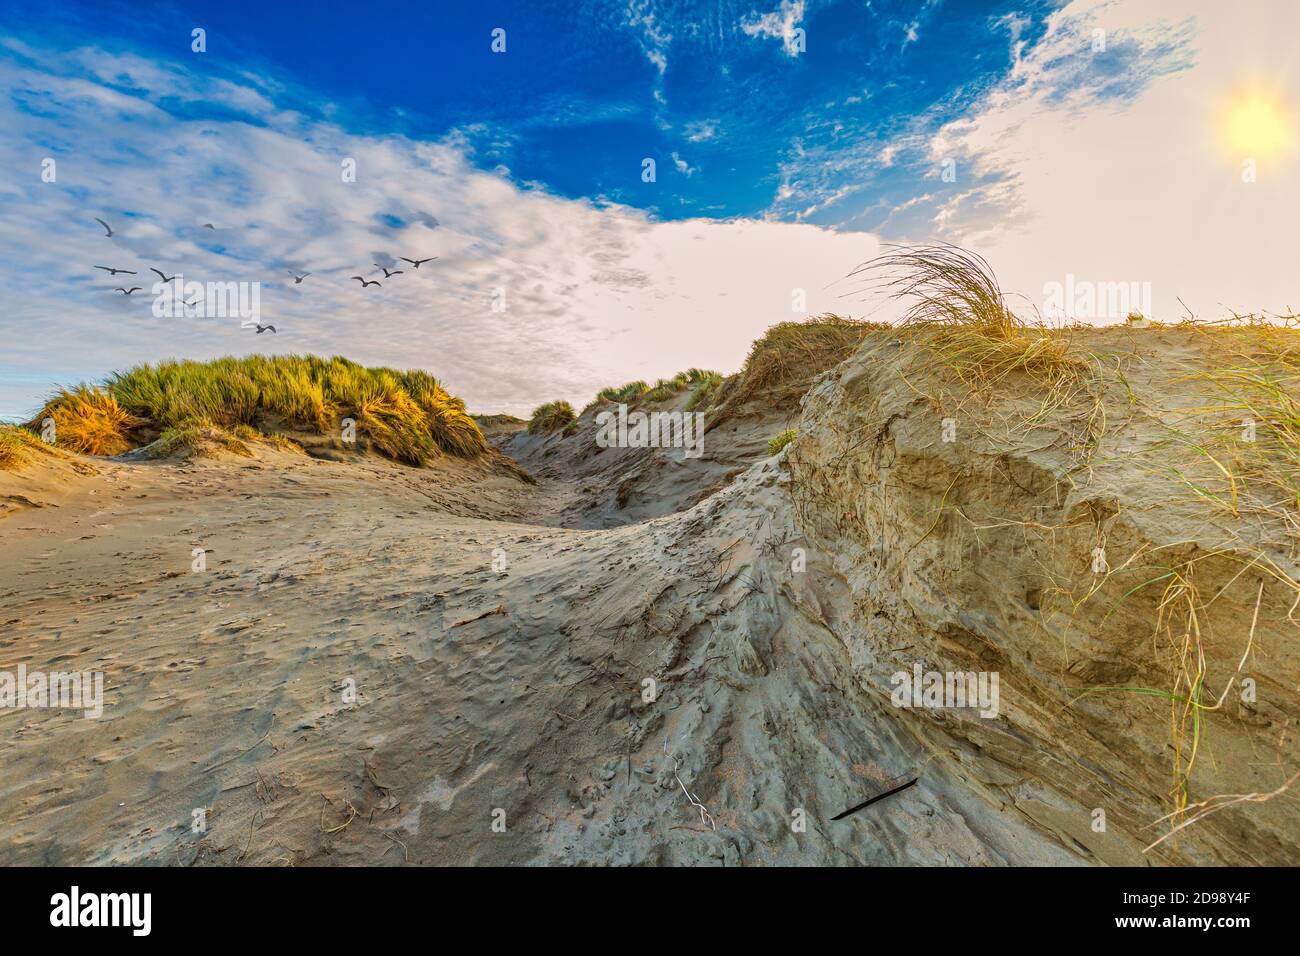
x=297, y=279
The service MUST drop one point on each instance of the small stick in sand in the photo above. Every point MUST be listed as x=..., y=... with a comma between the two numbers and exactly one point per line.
x=705, y=816
x=499, y=609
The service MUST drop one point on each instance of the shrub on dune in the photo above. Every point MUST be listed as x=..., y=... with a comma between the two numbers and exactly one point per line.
x=201, y=437
x=623, y=393
x=779, y=441
x=790, y=354
x=551, y=416
x=88, y=420
x=407, y=415
x=706, y=390
x=450, y=425
x=382, y=409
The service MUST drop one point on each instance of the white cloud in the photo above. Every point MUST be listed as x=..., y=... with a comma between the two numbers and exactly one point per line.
x=654, y=37
x=698, y=131
x=1060, y=176
x=779, y=24
x=595, y=294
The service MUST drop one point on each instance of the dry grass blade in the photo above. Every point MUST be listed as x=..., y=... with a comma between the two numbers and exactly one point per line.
x=944, y=285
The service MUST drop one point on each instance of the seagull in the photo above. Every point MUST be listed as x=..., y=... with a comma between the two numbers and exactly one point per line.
x=107, y=228
x=416, y=262
x=134, y=288
x=297, y=280
x=387, y=274
x=364, y=283
x=165, y=278
x=265, y=328
x=126, y=272
x=190, y=305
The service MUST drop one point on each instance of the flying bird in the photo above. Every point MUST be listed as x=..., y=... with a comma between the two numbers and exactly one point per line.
x=364, y=283
x=265, y=328
x=208, y=225
x=416, y=262
x=107, y=228
x=134, y=288
x=387, y=273
x=126, y=272
x=297, y=280
x=165, y=278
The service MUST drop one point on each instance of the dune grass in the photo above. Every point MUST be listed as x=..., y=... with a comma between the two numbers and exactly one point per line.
x=550, y=417
x=706, y=390
x=780, y=440
x=953, y=295
x=782, y=364
x=663, y=389
x=89, y=420
x=666, y=388
x=1257, y=449
x=18, y=446
x=201, y=438
x=623, y=393
x=407, y=416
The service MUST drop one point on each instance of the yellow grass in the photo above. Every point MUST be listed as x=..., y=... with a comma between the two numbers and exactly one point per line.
x=407, y=415
x=18, y=446
x=88, y=420
x=551, y=416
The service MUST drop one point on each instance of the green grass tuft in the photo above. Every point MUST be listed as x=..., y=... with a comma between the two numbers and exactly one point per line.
x=201, y=438
x=407, y=416
x=551, y=416
x=779, y=441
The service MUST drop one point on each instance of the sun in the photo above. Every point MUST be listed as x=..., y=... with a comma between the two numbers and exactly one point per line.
x=1259, y=125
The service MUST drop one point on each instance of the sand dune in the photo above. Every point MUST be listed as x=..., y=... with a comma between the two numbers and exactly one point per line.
x=636, y=660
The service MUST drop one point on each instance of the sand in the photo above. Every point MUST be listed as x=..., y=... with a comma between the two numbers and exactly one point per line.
x=630, y=661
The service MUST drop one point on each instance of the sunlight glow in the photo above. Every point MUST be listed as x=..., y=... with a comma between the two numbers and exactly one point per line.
x=1259, y=125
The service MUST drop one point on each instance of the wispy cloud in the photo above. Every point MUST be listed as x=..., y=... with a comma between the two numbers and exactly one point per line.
x=654, y=37
x=595, y=293
x=779, y=24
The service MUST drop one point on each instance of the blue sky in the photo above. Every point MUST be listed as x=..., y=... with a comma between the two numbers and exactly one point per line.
x=585, y=91
x=790, y=139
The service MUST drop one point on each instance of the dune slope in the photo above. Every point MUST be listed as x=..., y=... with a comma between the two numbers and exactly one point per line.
x=382, y=664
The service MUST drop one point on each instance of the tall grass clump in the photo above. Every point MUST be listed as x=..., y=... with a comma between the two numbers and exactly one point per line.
x=452, y=428
x=18, y=446
x=706, y=389
x=780, y=440
x=197, y=438
x=88, y=420
x=623, y=393
x=782, y=364
x=952, y=294
x=406, y=415
x=550, y=417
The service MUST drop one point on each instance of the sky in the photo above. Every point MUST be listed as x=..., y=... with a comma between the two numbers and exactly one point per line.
x=619, y=190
